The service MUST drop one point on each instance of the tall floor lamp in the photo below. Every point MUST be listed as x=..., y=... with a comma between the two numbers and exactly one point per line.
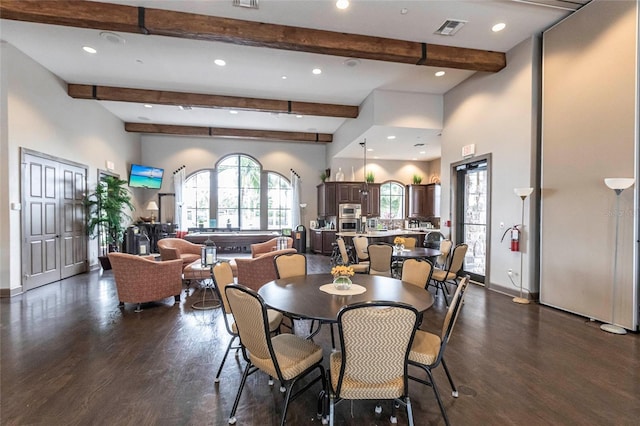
x=523, y=193
x=618, y=185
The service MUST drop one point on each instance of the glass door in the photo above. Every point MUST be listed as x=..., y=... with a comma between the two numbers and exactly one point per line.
x=471, y=216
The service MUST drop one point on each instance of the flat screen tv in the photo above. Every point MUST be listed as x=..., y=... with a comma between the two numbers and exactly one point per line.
x=145, y=177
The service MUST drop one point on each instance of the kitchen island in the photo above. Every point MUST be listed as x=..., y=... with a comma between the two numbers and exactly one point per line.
x=389, y=236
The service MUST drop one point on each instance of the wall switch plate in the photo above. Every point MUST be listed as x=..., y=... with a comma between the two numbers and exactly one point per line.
x=16, y=206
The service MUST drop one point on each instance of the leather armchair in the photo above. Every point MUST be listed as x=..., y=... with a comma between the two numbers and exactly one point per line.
x=260, y=249
x=139, y=279
x=255, y=272
x=177, y=248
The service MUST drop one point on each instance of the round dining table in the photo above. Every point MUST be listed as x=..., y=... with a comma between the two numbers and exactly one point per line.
x=301, y=296
x=416, y=253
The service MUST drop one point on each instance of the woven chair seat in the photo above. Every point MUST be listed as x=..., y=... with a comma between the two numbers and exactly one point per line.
x=425, y=348
x=294, y=355
x=440, y=275
x=355, y=389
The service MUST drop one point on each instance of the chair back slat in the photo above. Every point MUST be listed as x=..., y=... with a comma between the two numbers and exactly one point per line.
x=290, y=265
x=343, y=251
x=445, y=249
x=360, y=242
x=251, y=320
x=457, y=258
x=222, y=277
x=380, y=258
x=417, y=272
x=375, y=340
x=454, y=309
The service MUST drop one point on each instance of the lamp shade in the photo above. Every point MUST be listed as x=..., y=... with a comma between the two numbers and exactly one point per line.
x=619, y=183
x=523, y=192
x=152, y=205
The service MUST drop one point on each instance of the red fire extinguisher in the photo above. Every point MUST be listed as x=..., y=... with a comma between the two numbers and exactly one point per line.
x=515, y=237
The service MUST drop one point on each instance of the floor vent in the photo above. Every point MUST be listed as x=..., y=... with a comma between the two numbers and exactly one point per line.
x=253, y=4
x=450, y=27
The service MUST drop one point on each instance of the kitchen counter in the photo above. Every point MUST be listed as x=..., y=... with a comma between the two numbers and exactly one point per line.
x=384, y=234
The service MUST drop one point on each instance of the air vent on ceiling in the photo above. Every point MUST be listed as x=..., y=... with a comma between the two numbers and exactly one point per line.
x=450, y=27
x=253, y=4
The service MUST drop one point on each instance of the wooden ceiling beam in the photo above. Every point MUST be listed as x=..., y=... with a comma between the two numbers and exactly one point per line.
x=220, y=132
x=106, y=16
x=163, y=97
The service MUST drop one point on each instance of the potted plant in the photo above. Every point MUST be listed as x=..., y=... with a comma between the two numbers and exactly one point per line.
x=417, y=179
x=107, y=216
x=370, y=177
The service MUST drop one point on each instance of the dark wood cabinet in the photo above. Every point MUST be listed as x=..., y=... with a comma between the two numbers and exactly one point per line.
x=348, y=192
x=327, y=199
x=424, y=200
x=328, y=238
x=371, y=203
x=321, y=241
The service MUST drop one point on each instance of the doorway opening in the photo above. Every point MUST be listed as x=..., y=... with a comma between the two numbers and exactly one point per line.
x=472, y=212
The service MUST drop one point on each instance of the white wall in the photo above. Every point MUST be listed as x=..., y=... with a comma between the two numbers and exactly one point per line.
x=171, y=152
x=37, y=114
x=590, y=131
x=496, y=113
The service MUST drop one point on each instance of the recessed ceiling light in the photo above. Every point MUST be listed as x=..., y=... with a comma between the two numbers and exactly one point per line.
x=391, y=137
x=140, y=61
x=342, y=4
x=423, y=152
x=112, y=37
x=220, y=62
x=284, y=77
x=404, y=11
x=298, y=116
x=351, y=62
x=498, y=27
x=185, y=107
x=89, y=49
x=414, y=159
x=148, y=106
x=317, y=71
x=370, y=149
x=233, y=111
x=440, y=73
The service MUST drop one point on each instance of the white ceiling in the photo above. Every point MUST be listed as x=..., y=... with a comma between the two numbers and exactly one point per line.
x=155, y=62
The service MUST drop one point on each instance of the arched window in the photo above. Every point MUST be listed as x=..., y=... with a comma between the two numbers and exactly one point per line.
x=196, y=197
x=278, y=202
x=238, y=192
x=392, y=200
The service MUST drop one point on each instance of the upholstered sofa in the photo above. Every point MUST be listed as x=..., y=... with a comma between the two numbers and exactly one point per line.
x=177, y=248
x=254, y=272
x=140, y=279
x=259, y=249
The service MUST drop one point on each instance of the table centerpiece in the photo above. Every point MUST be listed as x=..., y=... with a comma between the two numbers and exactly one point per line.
x=342, y=277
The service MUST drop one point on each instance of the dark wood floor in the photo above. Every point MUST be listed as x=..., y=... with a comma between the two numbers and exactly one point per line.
x=70, y=356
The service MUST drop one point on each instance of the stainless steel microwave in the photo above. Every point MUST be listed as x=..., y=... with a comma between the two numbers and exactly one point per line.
x=350, y=211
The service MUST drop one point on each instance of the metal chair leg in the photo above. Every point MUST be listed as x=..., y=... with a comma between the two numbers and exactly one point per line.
x=217, y=379
x=435, y=391
x=454, y=390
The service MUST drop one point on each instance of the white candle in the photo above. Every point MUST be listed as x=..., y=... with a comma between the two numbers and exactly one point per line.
x=209, y=258
x=143, y=249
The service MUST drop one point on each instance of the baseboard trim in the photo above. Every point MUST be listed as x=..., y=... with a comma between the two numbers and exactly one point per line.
x=10, y=292
x=534, y=297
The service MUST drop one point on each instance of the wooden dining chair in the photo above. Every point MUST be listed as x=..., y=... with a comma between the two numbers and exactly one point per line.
x=380, y=258
x=417, y=272
x=286, y=357
x=357, y=267
x=360, y=243
x=410, y=242
x=290, y=265
x=445, y=249
x=372, y=361
x=222, y=275
x=427, y=350
x=441, y=277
